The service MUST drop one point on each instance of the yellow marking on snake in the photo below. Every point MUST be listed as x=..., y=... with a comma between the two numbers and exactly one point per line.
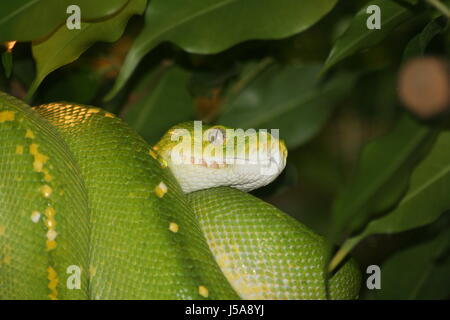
x=46, y=191
x=50, y=212
x=52, y=277
x=51, y=245
x=174, y=227
x=50, y=223
x=7, y=116
x=109, y=115
x=93, y=110
x=35, y=216
x=29, y=134
x=39, y=158
x=161, y=189
x=162, y=162
x=153, y=154
x=19, y=150
x=92, y=271
x=203, y=291
x=2, y=231
x=47, y=176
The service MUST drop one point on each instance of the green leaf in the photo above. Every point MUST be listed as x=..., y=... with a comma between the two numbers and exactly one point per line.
x=427, y=198
x=417, y=45
x=358, y=37
x=7, y=62
x=210, y=26
x=289, y=98
x=382, y=175
x=25, y=20
x=65, y=46
x=162, y=105
x=412, y=272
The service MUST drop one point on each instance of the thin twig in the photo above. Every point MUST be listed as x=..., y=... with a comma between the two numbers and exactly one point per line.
x=440, y=7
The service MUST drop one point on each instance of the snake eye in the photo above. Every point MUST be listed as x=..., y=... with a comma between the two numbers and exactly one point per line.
x=216, y=136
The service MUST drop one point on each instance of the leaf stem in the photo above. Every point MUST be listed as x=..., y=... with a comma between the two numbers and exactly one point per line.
x=343, y=251
x=262, y=65
x=440, y=7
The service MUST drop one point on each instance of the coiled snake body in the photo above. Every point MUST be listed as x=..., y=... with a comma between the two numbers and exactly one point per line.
x=89, y=211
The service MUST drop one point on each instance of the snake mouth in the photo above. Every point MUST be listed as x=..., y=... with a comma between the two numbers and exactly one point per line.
x=254, y=165
x=227, y=162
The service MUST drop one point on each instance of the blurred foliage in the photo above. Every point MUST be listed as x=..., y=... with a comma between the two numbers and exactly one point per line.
x=66, y=45
x=199, y=27
x=357, y=36
x=290, y=98
x=431, y=273
x=166, y=86
x=362, y=170
x=25, y=20
x=379, y=181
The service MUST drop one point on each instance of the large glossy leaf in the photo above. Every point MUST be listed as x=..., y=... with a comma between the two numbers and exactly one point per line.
x=358, y=37
x=418, y=272
x=25, y=20
x=289, y=98
x=162, y=105
x=427, y=198
x=210, y=26
x=382, y=176
x=65, y=46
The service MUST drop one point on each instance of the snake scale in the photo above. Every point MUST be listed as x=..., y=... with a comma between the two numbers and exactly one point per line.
x=82, y=194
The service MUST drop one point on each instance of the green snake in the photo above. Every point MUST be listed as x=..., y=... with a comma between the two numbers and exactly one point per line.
x=88, y=210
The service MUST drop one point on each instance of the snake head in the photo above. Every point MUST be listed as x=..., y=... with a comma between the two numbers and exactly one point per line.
x=204, y=156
